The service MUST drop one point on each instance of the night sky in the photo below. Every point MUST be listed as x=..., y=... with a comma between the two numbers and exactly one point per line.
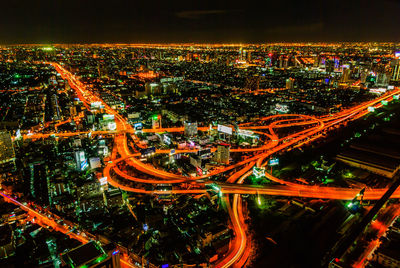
x=86, y=21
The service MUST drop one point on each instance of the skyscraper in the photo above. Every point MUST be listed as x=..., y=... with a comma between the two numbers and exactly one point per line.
x=396, y=70
x=222, y=154
x=190, y=129
x=289, y=83
x=7, y=153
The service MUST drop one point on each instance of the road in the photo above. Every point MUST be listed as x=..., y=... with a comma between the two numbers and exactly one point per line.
x=312, y=128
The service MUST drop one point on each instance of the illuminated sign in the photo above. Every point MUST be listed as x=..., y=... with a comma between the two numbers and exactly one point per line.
x=108, y=117
x=167, y=140
x=371, y=109
x=95, y=104
x=390, y=87
x=259, y=172
x=395, y=97
x=94, y=162
x=247, y=133
x=103, y=181
x=377, y=90
x=199, y=171
x=112, y=126
x=397, y=54
x=18, y=133
x=134, y=115
x=281, y=108
x=384, y=102
x=84, y=164
x=274, y=162
x=224, y=129
x=138, y=126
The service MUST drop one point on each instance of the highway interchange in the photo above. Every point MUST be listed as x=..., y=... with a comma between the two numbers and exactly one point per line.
x=311, y=128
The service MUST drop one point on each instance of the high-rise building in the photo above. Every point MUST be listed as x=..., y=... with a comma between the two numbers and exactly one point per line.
x=81, y=161
x=222, y=154
x=396, y=70
x=7, y=154
x=190, y=129
x=329, y=66
x=289, y=83
x=156, y=121
x=345, y=76
x=382, y=79
x=91, y=254
x=248, y=56
x=39, y=182
x=252, y=82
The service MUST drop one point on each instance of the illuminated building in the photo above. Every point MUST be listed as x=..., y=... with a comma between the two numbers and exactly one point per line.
x=91, y=255
x=387, y=254
x=248, y=58
x=382, y=79
x=7, y=242
x=329, y=66
x=80, y=160
x=396, y=70
x=152, y=88
x=156, y=121
x=252, y=82
x=346, y=75
x=289, y=83
x=370, y=158
x=7, y=154
x=39, y=181
x=190, y=129
x=222, y=154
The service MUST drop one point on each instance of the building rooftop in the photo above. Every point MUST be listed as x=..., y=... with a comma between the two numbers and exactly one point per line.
x=84, y=255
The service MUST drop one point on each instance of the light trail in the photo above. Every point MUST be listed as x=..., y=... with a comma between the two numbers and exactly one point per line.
x=274, y=145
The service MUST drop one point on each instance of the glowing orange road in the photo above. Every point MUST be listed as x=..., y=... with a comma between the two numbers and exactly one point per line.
x=44, y=220
x=238, y=248
x=275, y=144
x=381, y=228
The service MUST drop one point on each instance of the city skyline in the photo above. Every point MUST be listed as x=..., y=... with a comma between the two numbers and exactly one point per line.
x=166, y=155
x=222, y=22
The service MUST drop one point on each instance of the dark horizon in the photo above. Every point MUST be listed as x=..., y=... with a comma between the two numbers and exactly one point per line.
x=208, y=22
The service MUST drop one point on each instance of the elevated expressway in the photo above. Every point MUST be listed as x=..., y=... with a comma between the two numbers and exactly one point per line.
x=310, y=127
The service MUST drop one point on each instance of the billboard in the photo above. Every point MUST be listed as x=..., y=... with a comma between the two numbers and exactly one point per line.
x=94, y=162
x=378, y=90
x=274, y=161
x=281, y=108
x=84, y=164
x=167, y=139
x=224, y=129
x=247, y=133
x=103, y=181
x=258, y=172
x=112, y=126
x=133, y=115
x=138, y=126
x=108, y=117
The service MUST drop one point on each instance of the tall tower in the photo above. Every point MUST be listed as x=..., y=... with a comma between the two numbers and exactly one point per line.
x=222, y=154
x=396, y=70
x=7, y=153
